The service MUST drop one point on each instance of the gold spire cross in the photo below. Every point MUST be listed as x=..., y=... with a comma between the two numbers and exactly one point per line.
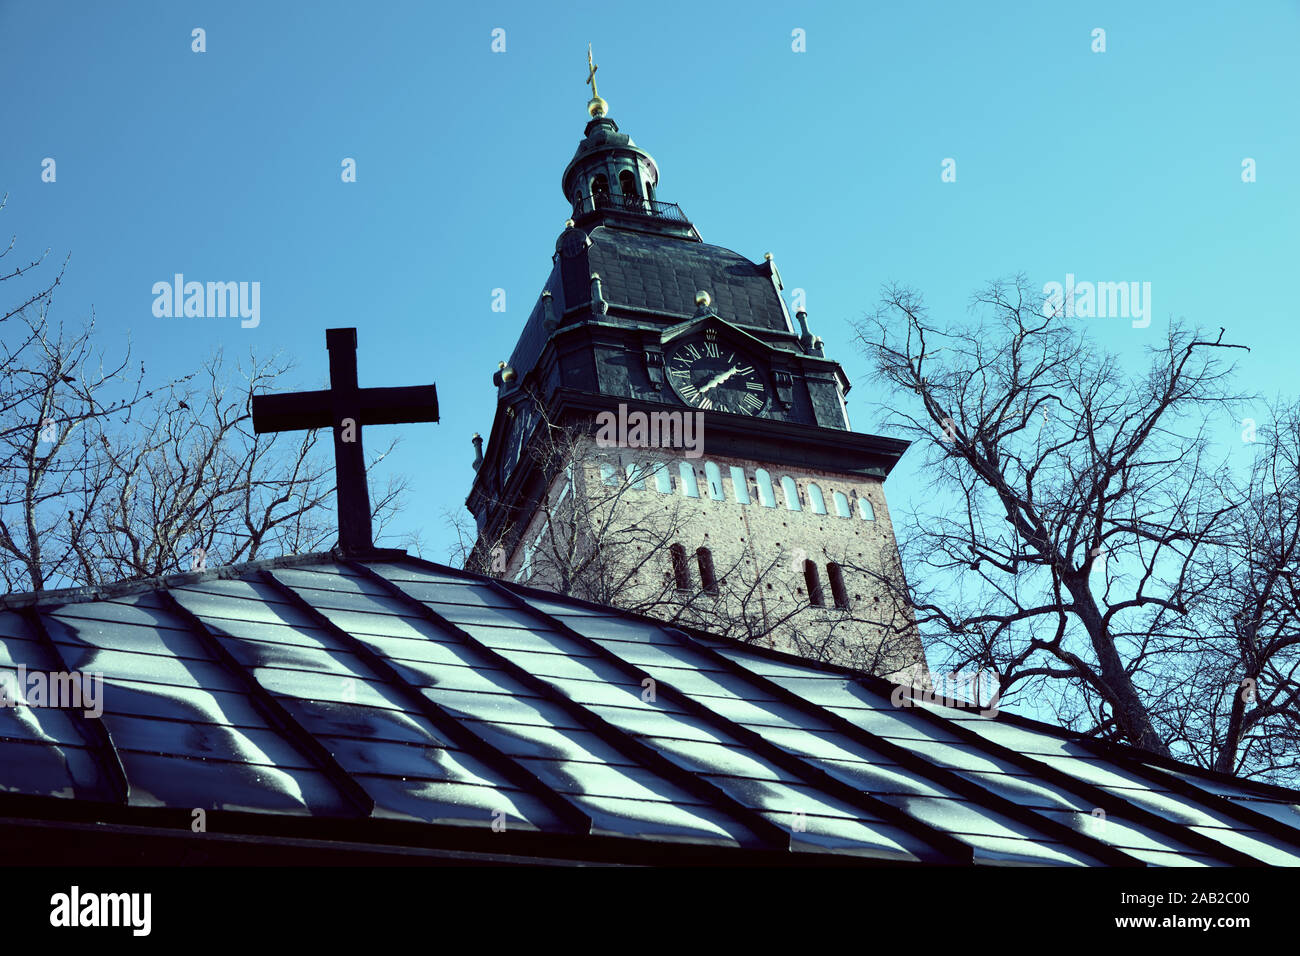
x=591, y=73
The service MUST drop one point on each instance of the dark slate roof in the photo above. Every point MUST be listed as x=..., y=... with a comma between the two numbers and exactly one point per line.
x=664, y=273
x=418, y=704
x=533, y=337
x=641, y=271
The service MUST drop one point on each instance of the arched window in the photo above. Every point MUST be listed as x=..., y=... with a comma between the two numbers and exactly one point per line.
x=766, y=498
x=791, y=492
x=713, y=477
x=649, y=191
x=627, y=183
x=815, y=498
x=838, y=592
x=739, y=486
x=842, y=505
x=814, y=584
x=865, y=511
x=599, y=191
x=690, y=487
x=608, y=474
x=707, y=581
x=681, y=570
x=636, y=476
x=663, y=481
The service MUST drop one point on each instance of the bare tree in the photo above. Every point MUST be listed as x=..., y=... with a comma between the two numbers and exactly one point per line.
x=1239, y=709
x=1082, y=501
x=103, y=479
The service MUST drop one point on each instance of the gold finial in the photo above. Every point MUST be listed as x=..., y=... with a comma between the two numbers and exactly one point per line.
x=702, y=298
x=595, y=106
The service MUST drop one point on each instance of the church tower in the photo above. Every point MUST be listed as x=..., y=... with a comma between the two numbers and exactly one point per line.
x=668, y=439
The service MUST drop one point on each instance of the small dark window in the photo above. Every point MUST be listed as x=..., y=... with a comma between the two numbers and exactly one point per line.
x=707, y=580
x=838, y=592
x=681, y=570
x=600, y=190
x=814, y=583
x=627, y=183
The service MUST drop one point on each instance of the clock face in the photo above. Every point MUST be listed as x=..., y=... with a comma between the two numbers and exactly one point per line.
x=524, y=419
x=716, y=377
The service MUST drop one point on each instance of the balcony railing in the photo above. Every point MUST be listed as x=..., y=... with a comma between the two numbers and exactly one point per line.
x=633, y=204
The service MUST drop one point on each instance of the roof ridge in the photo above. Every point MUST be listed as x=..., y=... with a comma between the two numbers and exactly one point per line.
x=99, y=592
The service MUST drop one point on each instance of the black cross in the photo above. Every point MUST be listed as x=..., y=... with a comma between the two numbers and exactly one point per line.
x=346, y=407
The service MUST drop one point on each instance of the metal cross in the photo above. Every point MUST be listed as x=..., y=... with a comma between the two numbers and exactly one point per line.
x=591, y=73
x=346, y=407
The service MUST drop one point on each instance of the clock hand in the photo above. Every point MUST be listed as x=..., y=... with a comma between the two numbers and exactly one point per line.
x=718, y=379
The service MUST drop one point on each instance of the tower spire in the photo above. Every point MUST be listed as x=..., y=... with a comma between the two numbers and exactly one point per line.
x=595, y=106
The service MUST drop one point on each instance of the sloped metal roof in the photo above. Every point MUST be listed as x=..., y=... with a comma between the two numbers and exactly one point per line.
x=395, y=701
x=663, y=273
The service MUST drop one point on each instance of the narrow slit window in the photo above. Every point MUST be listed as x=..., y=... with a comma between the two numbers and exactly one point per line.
x=839, y=594
x=704, y=558
x=526, y=566
x=814, y=584
x=681, y=570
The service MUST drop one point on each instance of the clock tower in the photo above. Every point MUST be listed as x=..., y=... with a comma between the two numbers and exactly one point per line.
x=670, y=439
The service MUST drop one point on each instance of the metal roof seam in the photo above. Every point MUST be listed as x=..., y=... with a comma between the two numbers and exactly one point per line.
x=1118, y=752
x=908, y=758
x=278, y=717
x=729, y=749
x=764, y=830
x=952, y=850
x=96, y=734
x=566, y=811
x=1213, y=801
x=1101, y=799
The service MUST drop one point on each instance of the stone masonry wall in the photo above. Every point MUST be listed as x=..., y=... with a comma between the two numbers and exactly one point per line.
x=756, y=540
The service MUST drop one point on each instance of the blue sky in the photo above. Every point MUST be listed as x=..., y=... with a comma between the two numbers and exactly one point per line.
x=225, y=165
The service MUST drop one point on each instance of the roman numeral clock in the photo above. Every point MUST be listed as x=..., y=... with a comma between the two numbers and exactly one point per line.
x=714, y=376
